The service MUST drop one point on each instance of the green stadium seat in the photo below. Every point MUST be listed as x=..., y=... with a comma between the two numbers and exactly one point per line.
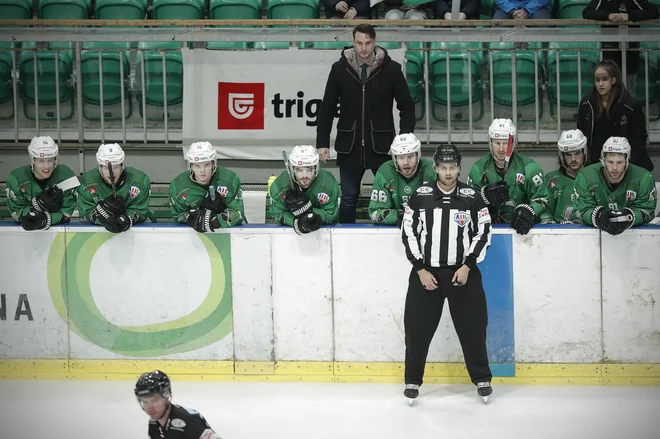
x=288, y=9
x=276, y=45
x=47, y=80
x=527, y=90
x=461, y=78
x=120, y=9
x=16, y=9
x=486, y=9
x=112, y=80
x=570, y=93
x=6, y=86
x=415, y=76
x=329, y=45
x=235, y=9
x=5, y=215
x=177, y=9
x=159, y=205
x=63, y=9
x=152, y=60
x=227, y=45
x=653, y=80
x=571, y=8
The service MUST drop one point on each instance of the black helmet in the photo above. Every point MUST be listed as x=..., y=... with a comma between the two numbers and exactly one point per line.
x=151, y=383
x=447, y=154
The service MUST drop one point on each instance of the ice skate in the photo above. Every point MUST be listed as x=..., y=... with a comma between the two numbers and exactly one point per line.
x=411, y=392
x=484, y=390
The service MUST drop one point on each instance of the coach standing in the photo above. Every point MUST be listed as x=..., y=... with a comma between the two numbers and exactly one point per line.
x=364, y=82
x=446, y=230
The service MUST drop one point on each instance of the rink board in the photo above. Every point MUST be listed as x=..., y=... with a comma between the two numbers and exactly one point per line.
x=260, y=302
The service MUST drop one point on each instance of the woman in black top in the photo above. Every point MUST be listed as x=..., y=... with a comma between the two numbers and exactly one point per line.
x=608, y=110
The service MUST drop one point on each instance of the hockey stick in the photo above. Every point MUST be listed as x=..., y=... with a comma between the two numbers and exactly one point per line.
x=69, y=183
x=212, y=192
x=622, y=219
x=112, y=179
x=288, y=170
x=507, y=160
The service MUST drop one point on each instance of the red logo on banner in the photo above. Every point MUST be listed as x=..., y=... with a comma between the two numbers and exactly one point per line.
x=241, y=105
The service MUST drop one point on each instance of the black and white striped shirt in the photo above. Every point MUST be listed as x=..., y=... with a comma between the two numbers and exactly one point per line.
x=441, y=230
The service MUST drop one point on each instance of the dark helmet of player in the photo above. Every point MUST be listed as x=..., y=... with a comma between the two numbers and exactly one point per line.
x=151, y=383
x=447, y=154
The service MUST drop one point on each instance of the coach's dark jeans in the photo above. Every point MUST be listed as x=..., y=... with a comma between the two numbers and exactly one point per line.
x=349, y=180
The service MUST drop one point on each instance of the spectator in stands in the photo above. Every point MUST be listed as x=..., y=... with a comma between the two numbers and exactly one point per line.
x=469, y=9
x=347, y=9
x=114, y=196
x=206, y=196
x=608, y=110
x=396, y=10
x=614, y=195
x=618, y=11
x=522, y=9
x=34, y=196
x=364, y=82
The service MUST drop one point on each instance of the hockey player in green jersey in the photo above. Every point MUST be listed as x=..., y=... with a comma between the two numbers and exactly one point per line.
x=572, y=153
x=33, y=197
x=516, y=195
x=615, y=195
x=396, y=180
x=114, y=196
x=207, y=196
x=314, y=198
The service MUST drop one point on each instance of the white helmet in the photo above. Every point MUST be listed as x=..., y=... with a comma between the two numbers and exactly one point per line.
x=201, y=152
x=571, y=141
x=304, y=155
x=619, y=145
x=406, y=144
x=501, y=129
x=110, y=154
x=42, y=147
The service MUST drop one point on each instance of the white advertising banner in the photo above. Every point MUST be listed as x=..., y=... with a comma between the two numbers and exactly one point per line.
x=252, y=105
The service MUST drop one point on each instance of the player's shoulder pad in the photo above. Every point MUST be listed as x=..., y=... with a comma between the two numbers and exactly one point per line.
x=135, y=174
x=326, y=175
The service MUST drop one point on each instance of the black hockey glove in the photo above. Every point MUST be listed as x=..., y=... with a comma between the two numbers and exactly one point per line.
x=112, y=205
x=203, y=220
x=36, y=221
x=297, y=203
x=523, y=219
x=495, y=194
x=49, y=200
x=612, y=222
x=216, y=206
x=118, y=224
x=311, y=222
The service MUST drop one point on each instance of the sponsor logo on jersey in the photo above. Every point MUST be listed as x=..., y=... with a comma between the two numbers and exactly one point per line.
x=23, y=188
x=407, y=210
x=424, y=190
x=11, y=194
x=624, y=120
x=134, y=191
x=553, y=183
x=466, y=191
x=91, y=190
x=208, y=434
x=184, y=196
x=631, y=195
x=520, y=178
x=178, y=423
x=483, y=215
x=323, y=197
x=462, y=218
x=407, y=189
x=222, y=190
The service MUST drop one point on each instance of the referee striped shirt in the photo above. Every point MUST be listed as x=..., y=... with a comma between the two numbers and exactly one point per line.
x=446, y=229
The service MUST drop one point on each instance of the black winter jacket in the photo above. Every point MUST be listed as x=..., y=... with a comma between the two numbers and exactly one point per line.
x=628, y=121
x=365, y=129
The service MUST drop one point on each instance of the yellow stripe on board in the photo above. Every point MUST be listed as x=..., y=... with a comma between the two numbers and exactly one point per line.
x=343, y=372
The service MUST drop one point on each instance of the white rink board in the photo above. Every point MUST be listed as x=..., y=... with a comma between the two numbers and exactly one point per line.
x=23, y=262
x=556, y=282
x=252, y=300
x=631, y=297
x=302, y=296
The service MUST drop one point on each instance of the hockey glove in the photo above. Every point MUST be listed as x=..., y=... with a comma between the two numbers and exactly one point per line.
x=399, y=217
x=49, y=200
x=112, y=205
x=311, y=222
x=495, y=194
x=36, y=221
x=118, y=224
x=297, y=203
x=612, y=222
x=523, y=219
x=203, y=220
x=216, y=206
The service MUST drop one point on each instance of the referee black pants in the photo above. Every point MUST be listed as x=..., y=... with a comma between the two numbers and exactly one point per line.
x=467, y=305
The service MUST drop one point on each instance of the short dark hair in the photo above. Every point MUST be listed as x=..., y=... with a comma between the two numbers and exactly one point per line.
x=366, y=29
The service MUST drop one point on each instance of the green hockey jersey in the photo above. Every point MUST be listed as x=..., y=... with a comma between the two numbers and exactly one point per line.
x=323, y=193
x=134, y=186
x=525, y=180
x=561, y=199
x=636, y=191
x=391, y=190
x=186, y=195
x=22, y=186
